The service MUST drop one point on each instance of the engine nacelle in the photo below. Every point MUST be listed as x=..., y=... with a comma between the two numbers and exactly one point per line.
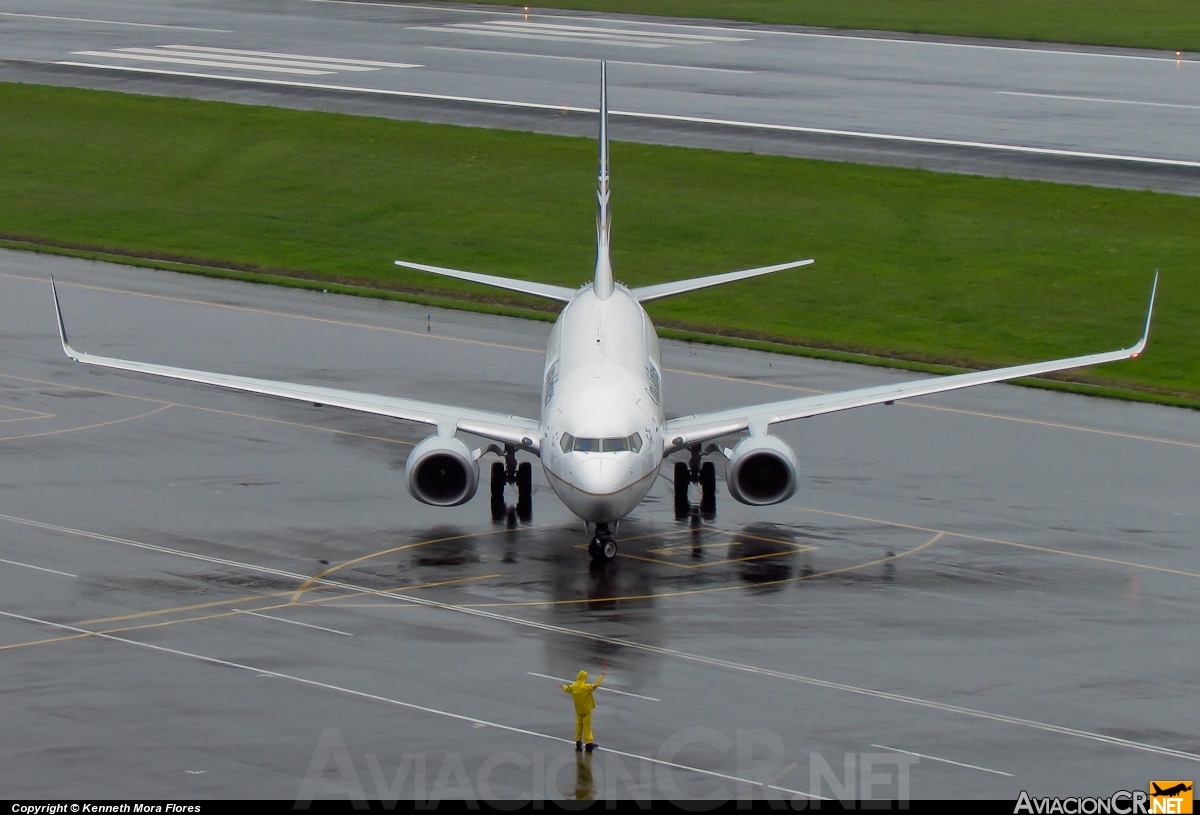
x=442, y=471
x=761, y=471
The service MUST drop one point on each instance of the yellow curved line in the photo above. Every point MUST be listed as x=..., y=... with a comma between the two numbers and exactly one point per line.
x=307, y=584
x=707, y=590
x=89, y=426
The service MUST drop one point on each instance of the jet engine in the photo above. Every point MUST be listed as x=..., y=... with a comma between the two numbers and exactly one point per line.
x=761, y=471
x=442, y=471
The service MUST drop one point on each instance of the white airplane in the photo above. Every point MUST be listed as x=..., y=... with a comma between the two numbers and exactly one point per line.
x=602, y=435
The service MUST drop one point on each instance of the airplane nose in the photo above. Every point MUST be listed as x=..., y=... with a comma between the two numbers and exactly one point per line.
x=600, y=476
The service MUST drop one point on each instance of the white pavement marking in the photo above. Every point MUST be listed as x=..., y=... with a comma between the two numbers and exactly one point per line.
x=899, y=39
x=239, y=61
x=1097, y=99
x=39, y=568
x=280, y=55
x=587, y=59
x=113, y=22
x=386, y=700
x=523, y=29
x=278, y=69
x=943, y=760
x=602, y=687
x=467, y=28
x=292, y=622
x=1009, y=148
x=1032, y=724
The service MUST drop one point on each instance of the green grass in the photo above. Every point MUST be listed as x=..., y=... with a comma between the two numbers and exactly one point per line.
x=1168, y=24
x=910, y=264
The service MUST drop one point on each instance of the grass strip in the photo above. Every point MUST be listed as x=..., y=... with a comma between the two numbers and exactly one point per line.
x=916, y=267
x=1172, y=25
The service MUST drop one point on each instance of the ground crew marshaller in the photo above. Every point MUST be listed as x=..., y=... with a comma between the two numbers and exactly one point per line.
x=581, y=695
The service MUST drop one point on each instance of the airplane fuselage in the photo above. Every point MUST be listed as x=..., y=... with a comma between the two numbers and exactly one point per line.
x=602, y=414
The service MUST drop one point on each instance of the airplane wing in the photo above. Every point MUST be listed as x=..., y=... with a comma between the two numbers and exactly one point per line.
x=688, y=430
x=495, y=426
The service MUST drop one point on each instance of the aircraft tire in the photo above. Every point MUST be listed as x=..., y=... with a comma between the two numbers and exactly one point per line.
x=683, y=478
x=608, y=549
x=708, y=488
x=498, y=506
x=525, y=491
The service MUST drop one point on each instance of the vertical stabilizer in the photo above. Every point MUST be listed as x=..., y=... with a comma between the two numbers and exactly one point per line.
x=603, y=282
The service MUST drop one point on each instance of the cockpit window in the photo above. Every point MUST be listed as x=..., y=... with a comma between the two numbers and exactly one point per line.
x=572, y=444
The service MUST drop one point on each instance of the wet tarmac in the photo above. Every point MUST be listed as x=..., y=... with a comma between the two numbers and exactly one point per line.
x=212, y=594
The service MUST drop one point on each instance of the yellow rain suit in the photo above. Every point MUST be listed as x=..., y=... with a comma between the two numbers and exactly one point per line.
x=581, y=695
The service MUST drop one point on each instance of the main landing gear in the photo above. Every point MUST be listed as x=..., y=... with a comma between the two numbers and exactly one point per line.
x=603, y=545
x=695, y=472
x=511, y=472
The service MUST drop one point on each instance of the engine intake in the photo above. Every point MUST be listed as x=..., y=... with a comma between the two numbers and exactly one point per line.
x=442, y=471
x=761, y=471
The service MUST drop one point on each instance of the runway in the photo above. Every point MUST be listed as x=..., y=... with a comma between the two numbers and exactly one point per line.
x=208, y=594
x=1112, y=117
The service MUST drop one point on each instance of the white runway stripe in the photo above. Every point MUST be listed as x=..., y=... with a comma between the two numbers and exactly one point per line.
x=306, y=57
x=522, y=29
x=111, y=22
x=1009, y=148
x=230, y=59
x=292, y=622
x=39, y=568
x=1098, y=99
x=207, y=63
x=467, y=29
x=592, y=60
x=242, y=60
x=944, y=760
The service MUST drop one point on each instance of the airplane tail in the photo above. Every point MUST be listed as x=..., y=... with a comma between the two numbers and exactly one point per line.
x=602, y=284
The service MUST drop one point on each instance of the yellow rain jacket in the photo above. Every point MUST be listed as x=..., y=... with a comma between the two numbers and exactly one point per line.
x=581, y=693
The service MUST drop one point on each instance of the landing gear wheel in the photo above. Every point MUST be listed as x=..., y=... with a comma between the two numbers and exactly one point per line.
x=683, y=478
x=594, y=549
x=708, y=488
x=499, y=510
x=525, y=491
x=608, y=549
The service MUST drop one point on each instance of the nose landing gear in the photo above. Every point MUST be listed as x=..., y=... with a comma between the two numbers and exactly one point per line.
x=603, y=545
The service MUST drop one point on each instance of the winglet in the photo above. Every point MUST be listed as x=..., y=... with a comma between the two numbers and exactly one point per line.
x=62, y=328
x=1141, y=345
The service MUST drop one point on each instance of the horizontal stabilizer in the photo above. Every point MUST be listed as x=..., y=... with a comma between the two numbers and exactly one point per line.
x=645, y=294
x=560, y=293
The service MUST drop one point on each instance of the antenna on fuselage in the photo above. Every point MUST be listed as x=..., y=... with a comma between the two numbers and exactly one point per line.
x=602, y=284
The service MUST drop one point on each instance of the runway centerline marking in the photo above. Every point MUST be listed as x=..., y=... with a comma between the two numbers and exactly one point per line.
x=587, y=59
x=944, y=760
x=602, y=687
x=487, y=344
x=39, y=568
x=114, y=22
x=386, y=700
x=1097, y=99
x=483, y=613
x=663, y=117
x=293, y=622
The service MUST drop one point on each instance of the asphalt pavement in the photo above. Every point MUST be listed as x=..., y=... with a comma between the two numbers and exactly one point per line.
x=1111, y=117
x=213, y=594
